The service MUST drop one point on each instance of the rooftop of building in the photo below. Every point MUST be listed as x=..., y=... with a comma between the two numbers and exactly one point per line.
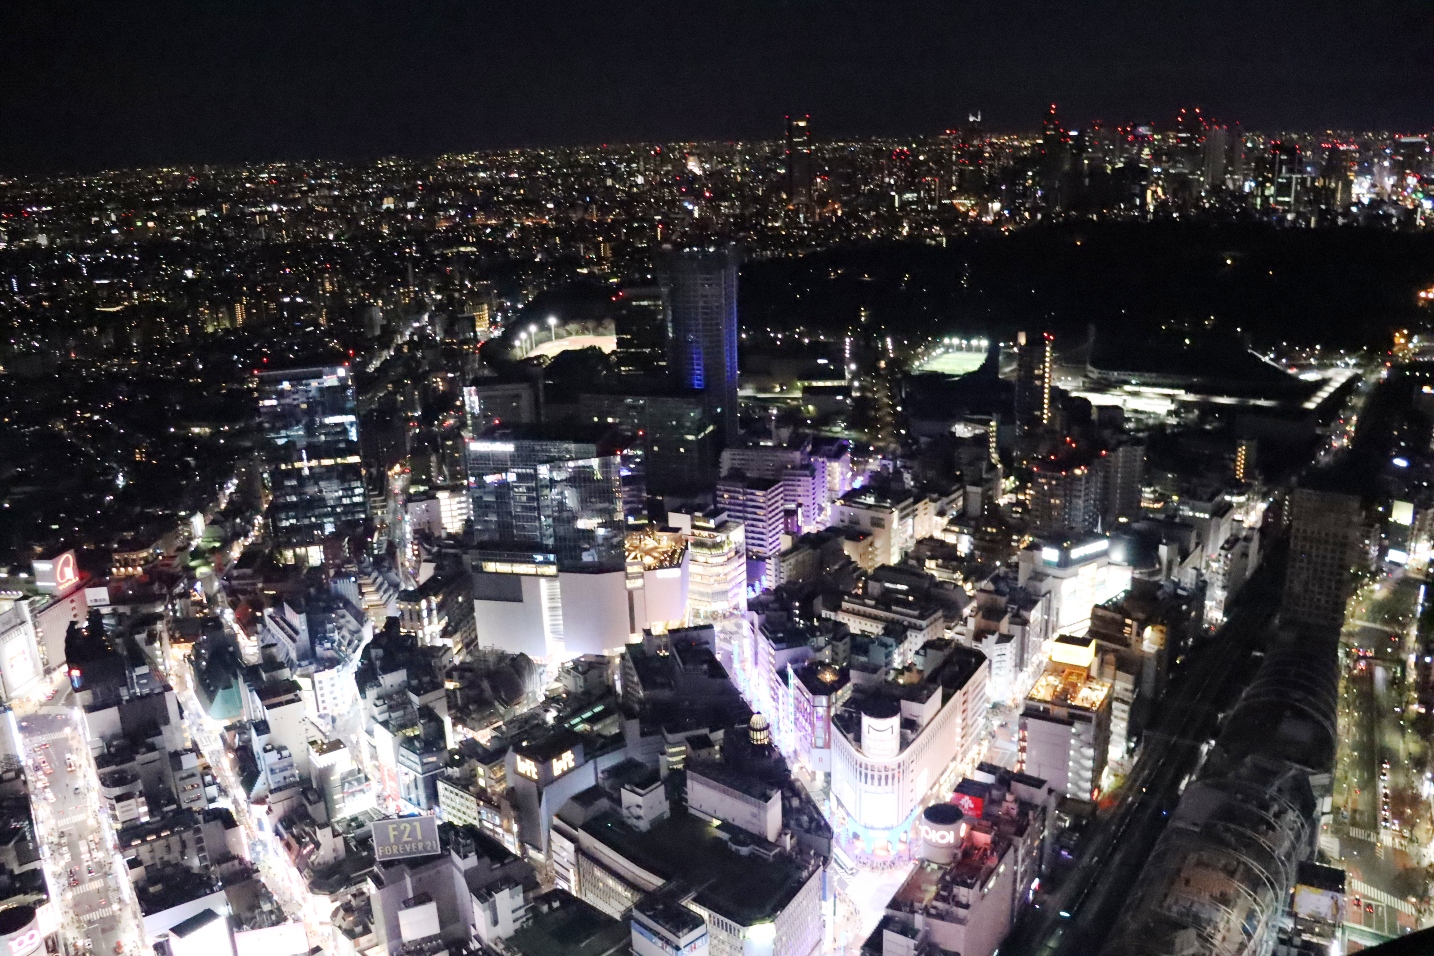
x=656, y=548
x=822, y=679
x=549, y=746
x=165, y=887
x=952, y=671
x=194, y=923
x=744, y=889
x=744, y=783
x=560, y=924
x=871, y=496
x=280, y=692
x=664, y=907
x=737, y=479
x=1069, y=686
x=562, y=440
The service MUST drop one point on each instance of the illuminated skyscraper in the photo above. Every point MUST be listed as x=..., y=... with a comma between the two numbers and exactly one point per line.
x=1290, y=188
x=315, y=474
x=701, y=288
x=800, y=173
x=1066, y=496
x=1055, y=156
x=1034, y=357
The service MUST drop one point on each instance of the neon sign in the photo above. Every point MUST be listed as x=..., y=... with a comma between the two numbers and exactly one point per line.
x=57, y=574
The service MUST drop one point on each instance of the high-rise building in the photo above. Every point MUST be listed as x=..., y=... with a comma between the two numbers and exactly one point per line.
x=640, y=321
x=892, y=742
x=806, y=493
x=757, y=503
x=1214, y=159
x=1246, y=455
x=1124, y=467
x=800, y=173
x=701, y=289
x=1325, y=532
x=1066, y=496
x=562, y=498
x=1055, y=156
x=1291, y=184
x=316, y=480
x=677, y=437
x=1034, y=359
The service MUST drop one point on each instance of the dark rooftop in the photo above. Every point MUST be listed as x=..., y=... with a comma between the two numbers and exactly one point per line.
x=745, y=890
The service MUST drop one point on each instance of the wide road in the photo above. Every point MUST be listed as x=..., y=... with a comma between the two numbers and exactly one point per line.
x=76, y=831
x=1074, y=919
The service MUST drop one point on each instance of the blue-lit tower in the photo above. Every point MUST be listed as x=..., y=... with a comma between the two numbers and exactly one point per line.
x=701, y=289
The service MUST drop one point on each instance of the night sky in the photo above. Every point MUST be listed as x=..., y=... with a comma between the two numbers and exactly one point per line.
x=103, y=85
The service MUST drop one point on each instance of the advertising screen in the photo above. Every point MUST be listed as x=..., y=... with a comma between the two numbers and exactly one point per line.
x=400, y=837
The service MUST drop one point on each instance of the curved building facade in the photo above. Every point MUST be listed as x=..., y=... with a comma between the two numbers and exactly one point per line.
x=893, y=743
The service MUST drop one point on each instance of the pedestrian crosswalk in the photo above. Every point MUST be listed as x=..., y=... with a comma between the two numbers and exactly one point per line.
x=91, y=885
x=34, y=740
x=1379, y=896
x=98, y=914
x=67, y=822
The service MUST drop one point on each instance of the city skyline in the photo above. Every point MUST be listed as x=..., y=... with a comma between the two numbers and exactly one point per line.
x=362, y=80
x=932, y=523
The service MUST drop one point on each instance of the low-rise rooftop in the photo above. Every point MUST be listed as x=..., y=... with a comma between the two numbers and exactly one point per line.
x=744, y=889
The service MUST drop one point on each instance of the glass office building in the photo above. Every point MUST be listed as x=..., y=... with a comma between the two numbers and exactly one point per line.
x=316, y=480
x=562, y=498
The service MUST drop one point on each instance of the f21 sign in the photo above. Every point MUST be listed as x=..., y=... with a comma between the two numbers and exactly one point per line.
x=400, y=837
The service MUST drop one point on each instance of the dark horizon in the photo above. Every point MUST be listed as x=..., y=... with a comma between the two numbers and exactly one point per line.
x=93, y=87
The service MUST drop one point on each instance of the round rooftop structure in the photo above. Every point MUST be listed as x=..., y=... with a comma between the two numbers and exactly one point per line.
x=942, y=829
x=760, y=731
x=16, y=918
x=880, y=707
x=942, y=814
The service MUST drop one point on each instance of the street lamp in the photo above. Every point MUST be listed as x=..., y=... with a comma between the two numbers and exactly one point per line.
x=553, y=327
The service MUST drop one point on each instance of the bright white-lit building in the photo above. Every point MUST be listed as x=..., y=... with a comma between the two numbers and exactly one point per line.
x=818, y=690
x=890, y=521
x=1077, y=573
x=525, y=606
x=805, y=486
x=440, y=512
x=758, y=504
x=1228, y=569
x=658, y=580
x=894, y=742
x=743, y=801
x=717, y=564
x=20, y=664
